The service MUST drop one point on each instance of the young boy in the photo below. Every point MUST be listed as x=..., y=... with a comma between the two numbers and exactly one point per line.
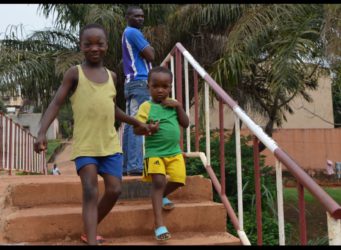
x=163, y=155
x=55, y=170
x=96, y=148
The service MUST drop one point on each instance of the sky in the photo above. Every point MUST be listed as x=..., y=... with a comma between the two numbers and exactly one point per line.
x=26, y=14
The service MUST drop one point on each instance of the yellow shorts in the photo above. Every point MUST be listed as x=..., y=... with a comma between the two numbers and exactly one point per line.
x=173, y=166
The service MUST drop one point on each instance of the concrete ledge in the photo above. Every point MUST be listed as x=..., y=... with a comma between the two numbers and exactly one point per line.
x=61, y=190
x=182, y=238
x=128, y=218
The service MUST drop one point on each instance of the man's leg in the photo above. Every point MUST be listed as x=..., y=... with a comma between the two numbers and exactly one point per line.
x=125, y=143
x=136, y=93
x=133, y=151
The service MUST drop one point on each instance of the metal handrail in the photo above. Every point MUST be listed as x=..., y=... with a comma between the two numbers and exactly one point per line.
x=16, y=148
x=304, y=180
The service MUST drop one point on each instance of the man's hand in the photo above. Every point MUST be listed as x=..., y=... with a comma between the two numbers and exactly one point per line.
x=40, y=144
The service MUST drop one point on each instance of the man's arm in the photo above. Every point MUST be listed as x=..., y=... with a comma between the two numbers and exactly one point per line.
x=148, y=53
x=137, y=38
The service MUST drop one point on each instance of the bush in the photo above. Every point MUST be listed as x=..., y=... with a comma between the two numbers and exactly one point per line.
x=2, y=107
x=27, y=173
x=66, y=120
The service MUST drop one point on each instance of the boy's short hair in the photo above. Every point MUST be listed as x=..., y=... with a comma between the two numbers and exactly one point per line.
x=160, y=69
x=90, y=26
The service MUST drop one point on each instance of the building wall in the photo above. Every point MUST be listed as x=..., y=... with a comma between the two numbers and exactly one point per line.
x=308, y=135
x=32, y=122
x=310, y=148
x=317, y=114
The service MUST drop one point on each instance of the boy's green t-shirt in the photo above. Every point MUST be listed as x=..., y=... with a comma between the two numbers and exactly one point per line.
x=165, y=142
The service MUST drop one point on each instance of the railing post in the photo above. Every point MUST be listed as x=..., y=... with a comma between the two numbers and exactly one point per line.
x=15, y=144
x=172, y=69
x=179, y=88
x=302, y=220
x=334, y=230
x=6, y=142
x=222, y=147
x=196, y=110
x=10, y=150
x=188, y=129
x=258, y=191
x=1, y=142
x=239, y=173
x=280, y=210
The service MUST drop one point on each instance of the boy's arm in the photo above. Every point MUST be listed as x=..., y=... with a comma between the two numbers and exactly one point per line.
x=70, y=77
x=182, y=116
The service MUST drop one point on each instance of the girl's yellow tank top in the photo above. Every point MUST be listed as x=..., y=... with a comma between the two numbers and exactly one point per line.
x=93, y=109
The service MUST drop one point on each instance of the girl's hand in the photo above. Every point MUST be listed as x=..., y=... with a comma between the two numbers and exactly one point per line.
x=40, y=144
x=153, y=127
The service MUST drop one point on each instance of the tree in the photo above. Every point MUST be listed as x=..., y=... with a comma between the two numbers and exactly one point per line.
x=36, y=62
x=260, y=51
x=2, y=107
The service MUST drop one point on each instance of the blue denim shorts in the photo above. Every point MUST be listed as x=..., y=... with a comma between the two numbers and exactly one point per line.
x=110, y=164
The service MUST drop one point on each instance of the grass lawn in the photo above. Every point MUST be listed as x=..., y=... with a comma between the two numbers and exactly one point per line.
x=290, y=194
x=317, y=232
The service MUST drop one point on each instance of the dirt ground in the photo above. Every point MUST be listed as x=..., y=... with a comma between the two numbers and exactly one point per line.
x=316, y=220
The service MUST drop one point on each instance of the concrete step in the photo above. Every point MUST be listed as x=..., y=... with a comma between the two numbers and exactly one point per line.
x=44, y=190
x=129, y=218
x=182, y=238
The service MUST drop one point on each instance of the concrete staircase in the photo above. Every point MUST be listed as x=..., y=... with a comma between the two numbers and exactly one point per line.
x=46, y=210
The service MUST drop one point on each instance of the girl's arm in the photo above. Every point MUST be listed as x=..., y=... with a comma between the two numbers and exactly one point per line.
x=69, y=80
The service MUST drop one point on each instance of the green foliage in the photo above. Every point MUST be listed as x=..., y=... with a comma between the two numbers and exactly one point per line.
x=51, y=147
x=323, y=241
x=336, y=93
x=27, y=173
x=268, y=186
x=66, y=120
x=2, y=107
x=269, y=226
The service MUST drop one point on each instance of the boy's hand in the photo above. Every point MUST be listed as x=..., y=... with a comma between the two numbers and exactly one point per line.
x=171, y=103
x=40, y=144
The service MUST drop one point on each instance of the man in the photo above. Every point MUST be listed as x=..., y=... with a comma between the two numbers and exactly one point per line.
x=137, y=56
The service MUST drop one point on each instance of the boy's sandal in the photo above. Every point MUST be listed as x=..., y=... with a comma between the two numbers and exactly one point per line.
x=161, y=233
x=167, y=204
x=99, y=238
